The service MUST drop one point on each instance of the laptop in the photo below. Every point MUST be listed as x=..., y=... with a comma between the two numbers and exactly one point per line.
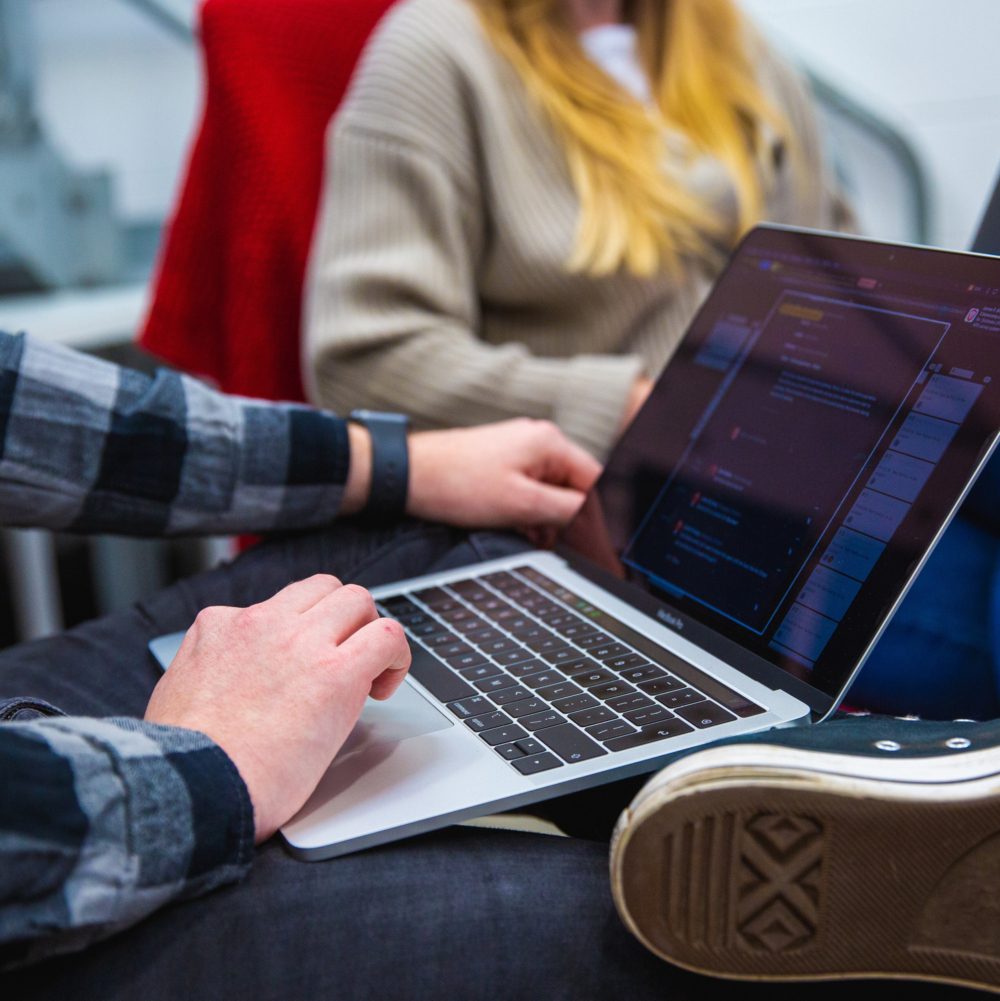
x=987, y=238
x=752, y=534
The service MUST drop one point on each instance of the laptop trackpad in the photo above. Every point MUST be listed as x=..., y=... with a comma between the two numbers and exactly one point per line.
x=406, y=714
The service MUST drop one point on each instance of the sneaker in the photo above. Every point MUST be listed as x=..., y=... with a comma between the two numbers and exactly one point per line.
x=860, y=847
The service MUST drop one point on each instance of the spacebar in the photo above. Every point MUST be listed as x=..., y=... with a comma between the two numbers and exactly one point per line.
x=439, y=679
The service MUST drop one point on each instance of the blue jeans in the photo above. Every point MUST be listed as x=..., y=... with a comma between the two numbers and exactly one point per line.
x=461, y=914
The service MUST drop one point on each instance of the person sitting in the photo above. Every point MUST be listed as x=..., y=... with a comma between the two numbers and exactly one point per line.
x=527, y=200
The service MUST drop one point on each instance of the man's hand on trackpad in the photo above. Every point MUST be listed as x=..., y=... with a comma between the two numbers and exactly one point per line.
x=279, y=685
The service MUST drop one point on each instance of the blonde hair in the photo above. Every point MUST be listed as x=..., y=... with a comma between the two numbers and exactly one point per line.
x=633, y=212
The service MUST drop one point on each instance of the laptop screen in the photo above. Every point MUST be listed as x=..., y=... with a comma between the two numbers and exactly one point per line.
x=801, y=451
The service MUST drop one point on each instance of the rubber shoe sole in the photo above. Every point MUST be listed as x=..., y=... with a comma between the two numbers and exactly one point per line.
x=757, y=862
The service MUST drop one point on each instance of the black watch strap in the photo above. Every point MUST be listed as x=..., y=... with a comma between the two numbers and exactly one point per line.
x=390, y=462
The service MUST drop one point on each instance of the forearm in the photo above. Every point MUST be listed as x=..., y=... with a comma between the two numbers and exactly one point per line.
x=88, y=446
x=104, y=821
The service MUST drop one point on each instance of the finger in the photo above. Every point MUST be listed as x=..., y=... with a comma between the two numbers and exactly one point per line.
x=380, y=654
x=552, y=505
x=343, y=612
x=572, y=466
x=302, y=595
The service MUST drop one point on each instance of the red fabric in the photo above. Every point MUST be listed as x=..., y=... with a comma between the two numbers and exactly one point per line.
x=227, y=298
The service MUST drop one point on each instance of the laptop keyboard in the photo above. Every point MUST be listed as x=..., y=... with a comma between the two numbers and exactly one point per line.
x=546, y=678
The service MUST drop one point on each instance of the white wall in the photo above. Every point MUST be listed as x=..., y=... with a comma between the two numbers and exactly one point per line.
x=931, y=66
x=116, y=89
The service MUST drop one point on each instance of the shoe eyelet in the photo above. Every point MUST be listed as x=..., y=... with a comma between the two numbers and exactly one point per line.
x=958, y=743
x=888, y=745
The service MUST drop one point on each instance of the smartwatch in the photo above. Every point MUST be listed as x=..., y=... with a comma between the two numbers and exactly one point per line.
x=390, y=462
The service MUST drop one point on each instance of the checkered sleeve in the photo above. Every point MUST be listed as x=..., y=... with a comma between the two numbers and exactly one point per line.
x=104, y=821
x=89, y=446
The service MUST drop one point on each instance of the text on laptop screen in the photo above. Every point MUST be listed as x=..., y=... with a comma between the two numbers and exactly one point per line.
x=805, y=444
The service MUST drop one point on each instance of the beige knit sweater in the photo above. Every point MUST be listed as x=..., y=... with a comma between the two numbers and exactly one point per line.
x=438, y=284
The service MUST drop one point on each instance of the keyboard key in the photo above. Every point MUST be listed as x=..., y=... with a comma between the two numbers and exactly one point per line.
x=536, y=763
x=426, y=628
x=483, y=636
x=588, y=717
x=476, y=706
x=572, y=667
x=497, y=610
x=705, y=714
x=563, y=690
x=470, y=625
x=542, y=679
x=578, y=631
x=562, y=620
x=526, y=667
x=521, y=626
x=443, y=683
x=496, y=684
x=660, y=731
x=508, y=751
x=539, y=721
x=625, y=661
x=530, y=746
x=608, y=731
x=612, y=690
x=504, y=616
x=503, y=734
x=488, y=722
x=494, y=645
x=660, y=686
x=624, y=703
x=516, y=656
x=683, y=697
x=575, y=703
x=605, y=650
x=647, y=673
x=466, y=660
x=471, y=590
x=432, y=596
x=456, y=649
x=461, y=614
x=596, y=677
x=508, y=695
x=589, y=642
x=438, y=639
x=491, y=606
x=529, y=630
x=647, y=717
x=526, y=706
x=480, y=672
x=546, y=645
x=565, y=656
x=398, y=605
x=570, y=743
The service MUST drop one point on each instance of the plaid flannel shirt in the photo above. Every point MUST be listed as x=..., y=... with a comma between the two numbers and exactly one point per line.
x=104, y=820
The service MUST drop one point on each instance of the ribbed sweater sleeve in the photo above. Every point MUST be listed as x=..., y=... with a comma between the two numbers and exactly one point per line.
x=395, y=309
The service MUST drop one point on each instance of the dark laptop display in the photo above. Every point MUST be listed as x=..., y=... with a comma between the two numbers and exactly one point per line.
x=771, y=503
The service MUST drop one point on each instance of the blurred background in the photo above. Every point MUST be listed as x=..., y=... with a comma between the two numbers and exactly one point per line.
x=99, y=100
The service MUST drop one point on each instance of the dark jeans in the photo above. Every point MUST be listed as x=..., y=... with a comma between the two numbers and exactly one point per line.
x=459, y=914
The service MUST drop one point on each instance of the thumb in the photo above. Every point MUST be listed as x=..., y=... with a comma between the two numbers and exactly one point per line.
x=552, y=505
